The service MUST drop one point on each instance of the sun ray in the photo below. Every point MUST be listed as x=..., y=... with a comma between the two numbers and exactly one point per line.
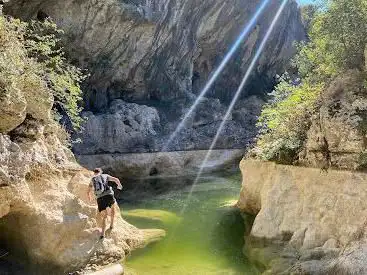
x=237, y=95
x=245, y=32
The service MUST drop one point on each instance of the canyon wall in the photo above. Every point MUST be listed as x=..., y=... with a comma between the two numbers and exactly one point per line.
x=148, y=61
x=337, y=135
x=165, y=164
x=46, y=220
x=47, y=224
x=311, y=217
x=307, y=221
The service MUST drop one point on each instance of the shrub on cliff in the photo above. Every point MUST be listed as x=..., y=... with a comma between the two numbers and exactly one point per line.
x=337, y=42
x=42, y=41
x=32, y=60
x=285, y=119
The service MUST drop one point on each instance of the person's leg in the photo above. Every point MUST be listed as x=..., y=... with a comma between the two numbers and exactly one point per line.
x=104, y=221
x=113, y=212
x=98, y=213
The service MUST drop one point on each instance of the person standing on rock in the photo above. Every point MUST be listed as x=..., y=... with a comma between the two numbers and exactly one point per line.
x=104, y=195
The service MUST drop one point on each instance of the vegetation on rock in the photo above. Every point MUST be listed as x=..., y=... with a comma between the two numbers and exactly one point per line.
x=337, y=42
x=37, y=170
x=32, y=63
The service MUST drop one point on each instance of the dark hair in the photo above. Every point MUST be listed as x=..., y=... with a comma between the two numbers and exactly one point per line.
x=98, y=170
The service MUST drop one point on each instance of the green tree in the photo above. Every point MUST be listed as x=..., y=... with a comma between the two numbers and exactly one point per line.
x=344, y=25
x=308, y=13
x=285, y=119
x=337, y=42
x=42, y=42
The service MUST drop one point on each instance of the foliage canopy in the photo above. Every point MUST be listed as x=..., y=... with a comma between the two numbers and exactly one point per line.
x=35, y=59
x=337, y=39
x=42, y=41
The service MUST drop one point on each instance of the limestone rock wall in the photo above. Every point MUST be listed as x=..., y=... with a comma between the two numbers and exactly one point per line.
x=316, y=219
x=337, y=136
x=124, y=127
x=46, y=223
x=45, y=218
x=163, y=164
x=132, y=55
x=160, y=53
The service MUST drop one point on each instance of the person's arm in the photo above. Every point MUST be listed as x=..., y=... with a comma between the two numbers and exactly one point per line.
x=89, y=192
x=115, y=180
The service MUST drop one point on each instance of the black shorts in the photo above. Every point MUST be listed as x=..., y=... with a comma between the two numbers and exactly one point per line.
x=105, y=202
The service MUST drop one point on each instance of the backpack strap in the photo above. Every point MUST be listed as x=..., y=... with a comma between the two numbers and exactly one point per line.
x=100, y=183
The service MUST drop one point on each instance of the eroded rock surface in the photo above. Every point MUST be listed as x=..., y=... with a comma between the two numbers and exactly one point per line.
x=164, y=164
x=132, y=54
x=315, y=221
x=44, y=217
x=160, y=53
x=337, y=136
x=46, y=222
x=123, y=128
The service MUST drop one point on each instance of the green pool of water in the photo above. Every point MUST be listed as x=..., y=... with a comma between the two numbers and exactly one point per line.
x=207, y=238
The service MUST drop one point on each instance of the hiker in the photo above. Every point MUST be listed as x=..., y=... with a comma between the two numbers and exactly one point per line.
x=105, y=196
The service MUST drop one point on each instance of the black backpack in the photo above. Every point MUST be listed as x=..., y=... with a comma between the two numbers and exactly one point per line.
x=100, y=184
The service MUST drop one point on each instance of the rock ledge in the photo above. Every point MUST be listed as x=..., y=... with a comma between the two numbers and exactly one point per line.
x=314, y=220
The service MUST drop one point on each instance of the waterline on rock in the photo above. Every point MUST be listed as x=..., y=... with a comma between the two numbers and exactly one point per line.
x=245, y=32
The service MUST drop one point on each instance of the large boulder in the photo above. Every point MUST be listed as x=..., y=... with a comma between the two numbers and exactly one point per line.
x=132, y=128
x=122, y=128
x=45, y=218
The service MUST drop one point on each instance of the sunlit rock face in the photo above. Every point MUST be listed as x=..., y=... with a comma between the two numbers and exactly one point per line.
x=307, y=221
x=337, y=136
x=46, y=222
x=46, y=219
x=163, y=164
x=160, y=53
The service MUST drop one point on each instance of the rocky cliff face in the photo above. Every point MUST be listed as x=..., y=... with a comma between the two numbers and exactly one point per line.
x=45, y=218
x=337, y=136
x=315, y=221
x=46, y=223
x=159, y=53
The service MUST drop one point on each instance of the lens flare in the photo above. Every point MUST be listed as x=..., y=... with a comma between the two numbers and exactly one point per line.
x=247, y=29
x=237, y=94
